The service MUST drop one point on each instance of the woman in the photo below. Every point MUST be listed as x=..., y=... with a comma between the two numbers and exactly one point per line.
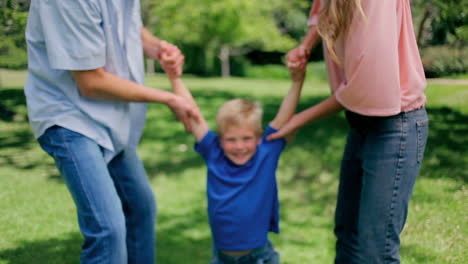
x=376, y=76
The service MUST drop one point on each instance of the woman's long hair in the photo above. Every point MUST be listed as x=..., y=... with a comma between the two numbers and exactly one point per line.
x=334, y=19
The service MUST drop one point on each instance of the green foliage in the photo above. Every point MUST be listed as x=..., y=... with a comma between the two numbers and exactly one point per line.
x=441, y=22
x=212, y=22
x=12, y=56
x=268, y=72
x=239, y=25
x=441, y=61
x=315, y=70
x=13, y=18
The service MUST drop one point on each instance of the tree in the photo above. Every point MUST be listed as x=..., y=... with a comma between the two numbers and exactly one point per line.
x=223, y=28
x=440, y=22
x=13, y=17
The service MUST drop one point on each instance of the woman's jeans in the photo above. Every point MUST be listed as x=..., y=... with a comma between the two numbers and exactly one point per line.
x=115, y=203
x=380, y=164
x=262, y=255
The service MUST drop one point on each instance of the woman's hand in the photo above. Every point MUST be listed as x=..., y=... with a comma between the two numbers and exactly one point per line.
x=297, y=58
x=287, y=130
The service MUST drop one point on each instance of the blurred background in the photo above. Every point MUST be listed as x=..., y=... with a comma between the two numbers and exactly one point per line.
x=232, y=37
x=236, y=48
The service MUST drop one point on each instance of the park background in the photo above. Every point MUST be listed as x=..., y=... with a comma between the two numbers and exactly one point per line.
x=235, y=48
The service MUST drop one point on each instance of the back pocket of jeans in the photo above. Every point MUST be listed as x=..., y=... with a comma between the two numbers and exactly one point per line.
x=422, y=127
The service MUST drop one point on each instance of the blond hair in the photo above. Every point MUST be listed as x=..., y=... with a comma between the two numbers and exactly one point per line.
x=334, y=19
x=239, y=112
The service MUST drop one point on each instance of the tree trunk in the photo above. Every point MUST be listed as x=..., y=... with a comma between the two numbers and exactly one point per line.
x=224, y=57
x=150, y=66
x=427, y=14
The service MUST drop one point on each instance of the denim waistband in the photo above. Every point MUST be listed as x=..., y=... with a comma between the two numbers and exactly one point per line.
x=358, y=120
x=248, y=258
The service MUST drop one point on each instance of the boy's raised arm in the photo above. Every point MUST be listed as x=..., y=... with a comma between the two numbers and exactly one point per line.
x=199, y=127
x=288, y=106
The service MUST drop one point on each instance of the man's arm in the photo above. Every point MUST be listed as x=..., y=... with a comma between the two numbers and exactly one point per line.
x=99, y=84
x=288, y=106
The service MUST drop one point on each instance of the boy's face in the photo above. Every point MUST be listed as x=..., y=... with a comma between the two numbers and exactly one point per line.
x=239, y=143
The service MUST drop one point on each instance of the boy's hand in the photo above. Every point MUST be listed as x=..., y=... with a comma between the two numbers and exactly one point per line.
x=297, y=73
x=171, y=59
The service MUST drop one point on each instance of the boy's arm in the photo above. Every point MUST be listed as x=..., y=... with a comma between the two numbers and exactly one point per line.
x=288, y=106
x=199, y=127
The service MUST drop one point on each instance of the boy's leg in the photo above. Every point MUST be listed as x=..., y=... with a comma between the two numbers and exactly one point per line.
x=347, y=208
x=138, y=203
x=100, y=215
x=215, y=259
x=271, y=255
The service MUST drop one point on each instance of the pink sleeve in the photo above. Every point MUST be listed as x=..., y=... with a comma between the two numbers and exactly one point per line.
x=370, y=61
x=314, y=13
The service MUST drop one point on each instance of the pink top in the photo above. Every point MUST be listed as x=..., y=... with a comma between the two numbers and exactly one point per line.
x=381, y=72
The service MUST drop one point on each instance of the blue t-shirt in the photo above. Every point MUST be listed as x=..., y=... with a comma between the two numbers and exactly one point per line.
x=242, y=200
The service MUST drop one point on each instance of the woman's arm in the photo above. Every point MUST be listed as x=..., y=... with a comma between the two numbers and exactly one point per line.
x=323, y=109
x=299, y=56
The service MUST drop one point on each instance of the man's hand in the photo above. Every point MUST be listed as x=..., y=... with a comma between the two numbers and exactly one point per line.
x=183, y=110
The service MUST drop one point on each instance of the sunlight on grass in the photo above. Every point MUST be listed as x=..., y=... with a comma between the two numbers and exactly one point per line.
x=37, y=215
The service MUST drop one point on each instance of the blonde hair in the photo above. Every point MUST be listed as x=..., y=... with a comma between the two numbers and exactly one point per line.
x=334, y=19
x=239, y=112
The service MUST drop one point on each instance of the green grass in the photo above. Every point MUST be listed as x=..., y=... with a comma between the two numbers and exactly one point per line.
x=37, y=215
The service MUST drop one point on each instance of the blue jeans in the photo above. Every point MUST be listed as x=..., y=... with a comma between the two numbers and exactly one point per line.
x=115, y=203
x=262, y=255
x=380, y=164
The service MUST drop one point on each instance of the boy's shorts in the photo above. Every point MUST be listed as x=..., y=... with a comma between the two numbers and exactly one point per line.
x=262, y=255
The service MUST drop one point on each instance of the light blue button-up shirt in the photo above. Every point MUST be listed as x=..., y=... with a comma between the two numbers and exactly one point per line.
x=65, y=35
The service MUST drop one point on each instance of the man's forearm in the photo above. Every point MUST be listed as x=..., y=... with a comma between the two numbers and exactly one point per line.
x=151, y=43
x=99, y=84
x=180, y=89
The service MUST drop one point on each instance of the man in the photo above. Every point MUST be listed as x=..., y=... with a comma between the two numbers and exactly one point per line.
x=85, y=98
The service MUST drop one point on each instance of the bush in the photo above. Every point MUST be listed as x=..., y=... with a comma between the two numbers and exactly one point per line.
x=441, y=61
x=11, y=56
x=316, y=70
x=271, y=71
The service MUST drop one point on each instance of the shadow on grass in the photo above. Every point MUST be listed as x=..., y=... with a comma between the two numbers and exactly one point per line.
x=417, y=254
x=179, y=240
x=323, y=141
x=11, y=99
x=309, y=166
x=52, y=251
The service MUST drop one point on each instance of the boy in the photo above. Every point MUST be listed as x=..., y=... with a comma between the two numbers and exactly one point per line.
x=241, y=186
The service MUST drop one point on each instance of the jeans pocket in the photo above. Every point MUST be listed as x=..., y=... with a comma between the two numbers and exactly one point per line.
x=422, y=127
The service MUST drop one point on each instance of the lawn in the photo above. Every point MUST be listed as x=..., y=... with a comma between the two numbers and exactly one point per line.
x=37, y=215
